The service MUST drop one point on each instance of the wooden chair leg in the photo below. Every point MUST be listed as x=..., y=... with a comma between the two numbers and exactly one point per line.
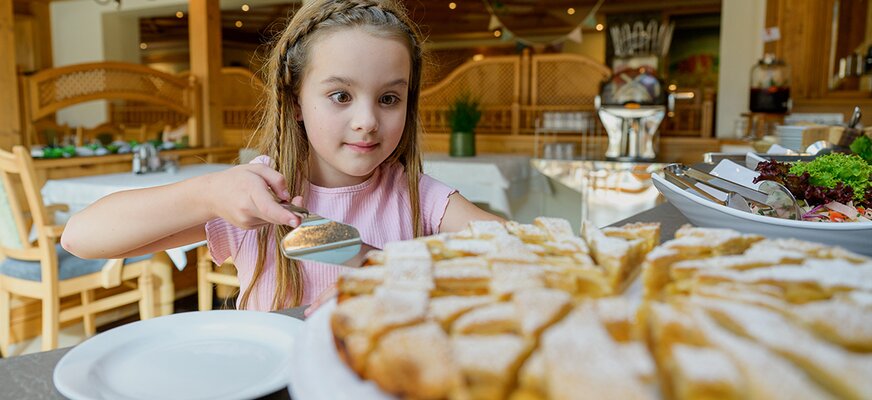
x=146, y=290
x=89, y=318
x=5, y=323
x=162, y=272
x=204, y=287
x=50, y=323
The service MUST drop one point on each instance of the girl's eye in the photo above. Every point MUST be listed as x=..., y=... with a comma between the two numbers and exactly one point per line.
x=390, y=99
x=340, y=97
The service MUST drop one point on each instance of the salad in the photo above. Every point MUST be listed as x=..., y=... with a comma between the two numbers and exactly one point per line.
x=832, y=188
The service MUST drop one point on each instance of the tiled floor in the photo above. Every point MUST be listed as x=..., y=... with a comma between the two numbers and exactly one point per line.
x=75, y=334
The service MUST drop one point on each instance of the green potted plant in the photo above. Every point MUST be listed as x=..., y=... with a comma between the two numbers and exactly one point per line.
x=463, y=115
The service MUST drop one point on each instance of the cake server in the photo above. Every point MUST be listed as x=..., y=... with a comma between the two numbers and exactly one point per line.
x=323, y=240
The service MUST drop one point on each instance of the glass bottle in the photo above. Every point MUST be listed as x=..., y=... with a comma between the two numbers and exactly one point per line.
x=770, y=86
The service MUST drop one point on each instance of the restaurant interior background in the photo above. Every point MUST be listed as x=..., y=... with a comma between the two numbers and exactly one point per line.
x=525, y=61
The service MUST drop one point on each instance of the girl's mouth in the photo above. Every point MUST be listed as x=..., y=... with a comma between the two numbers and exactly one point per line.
x=362, y=147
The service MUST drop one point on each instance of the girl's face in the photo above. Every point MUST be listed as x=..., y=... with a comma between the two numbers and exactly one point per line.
x=353, y=104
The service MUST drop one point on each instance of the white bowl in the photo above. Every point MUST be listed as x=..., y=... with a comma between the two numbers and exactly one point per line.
x=854, y=236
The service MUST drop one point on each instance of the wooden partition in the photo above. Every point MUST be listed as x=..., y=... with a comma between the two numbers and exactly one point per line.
x=241, y=92
x=516, y=91
x=50, y=90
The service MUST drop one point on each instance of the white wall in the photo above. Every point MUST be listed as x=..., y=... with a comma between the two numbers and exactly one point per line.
x=742, y=23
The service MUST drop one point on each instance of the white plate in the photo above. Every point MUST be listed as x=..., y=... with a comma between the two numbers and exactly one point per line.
x=854, y=236
x=318, y=373
x=224, y=354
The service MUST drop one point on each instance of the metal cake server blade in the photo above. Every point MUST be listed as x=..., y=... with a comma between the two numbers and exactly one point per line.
x=322, y=240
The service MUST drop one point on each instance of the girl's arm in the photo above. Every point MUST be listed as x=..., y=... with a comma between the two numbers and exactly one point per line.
x=460, y=211
x=143, y=221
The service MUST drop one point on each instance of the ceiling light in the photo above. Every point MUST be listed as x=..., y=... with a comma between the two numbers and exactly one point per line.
x=452, y=5
x=673, y=87
x=478, y=57
x=179, y=14
x=238, y=24
x=570, y=11
x=498, y=33
x=599, y=27
x=143, y=45
x=245, y=7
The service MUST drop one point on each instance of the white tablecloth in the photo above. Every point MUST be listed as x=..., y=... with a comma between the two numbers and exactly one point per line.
x=80, y=192
x=493, y=179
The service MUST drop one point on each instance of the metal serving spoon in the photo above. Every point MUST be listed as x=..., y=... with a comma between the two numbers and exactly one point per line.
x=323, y=240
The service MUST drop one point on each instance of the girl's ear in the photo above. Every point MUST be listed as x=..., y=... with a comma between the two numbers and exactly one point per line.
x=298, y=115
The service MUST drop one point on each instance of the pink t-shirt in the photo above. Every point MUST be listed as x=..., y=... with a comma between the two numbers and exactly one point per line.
x=379, y=208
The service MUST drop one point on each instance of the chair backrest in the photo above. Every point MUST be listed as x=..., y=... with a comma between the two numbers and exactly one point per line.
x=100, y=132
x=48, y=132
x=27, y=210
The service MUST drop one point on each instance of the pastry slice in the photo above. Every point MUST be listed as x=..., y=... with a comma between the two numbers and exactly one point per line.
x=619, y=257
x=556, y=228
x=487, y=229
x=527, y=232
x=359, y=281
x=415, y=362
x=538, y=309
x=462, y=276
x=636, y=355
x=507, y=278
x=509, y=249
x=532, y=378
x=616, y=315
x=409, y=265
x=467, y=247
x=583, y=362
x=648, y=232
x=703, y=373
x=767, y=376
x=839, y=370
x=446, y=309
x=489, y=364
x=492, y=319
x=814, y=280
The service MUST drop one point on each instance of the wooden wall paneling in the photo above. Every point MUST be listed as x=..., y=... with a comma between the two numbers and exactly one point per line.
x=204, y=25
x=10, y=124
x=42, y=34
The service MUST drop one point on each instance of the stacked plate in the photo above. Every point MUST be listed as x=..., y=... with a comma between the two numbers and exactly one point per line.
x=790, y=136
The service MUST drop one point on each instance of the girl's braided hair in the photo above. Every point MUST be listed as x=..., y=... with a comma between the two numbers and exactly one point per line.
x=283, y=138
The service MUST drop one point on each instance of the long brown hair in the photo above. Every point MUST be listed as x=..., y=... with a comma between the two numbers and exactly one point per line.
x=281, y=137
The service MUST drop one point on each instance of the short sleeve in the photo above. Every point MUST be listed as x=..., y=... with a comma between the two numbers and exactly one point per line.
x=223, y=239
x=434, y=200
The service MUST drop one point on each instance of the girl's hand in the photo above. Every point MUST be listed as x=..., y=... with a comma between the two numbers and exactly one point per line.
x=248, y=196
x=322, y=298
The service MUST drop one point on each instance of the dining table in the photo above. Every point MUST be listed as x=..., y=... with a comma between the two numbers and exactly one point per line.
x=30, y=376
x=492, y=179
x=80, y=192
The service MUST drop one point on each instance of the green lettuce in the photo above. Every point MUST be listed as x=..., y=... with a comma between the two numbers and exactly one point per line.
x=830, y=169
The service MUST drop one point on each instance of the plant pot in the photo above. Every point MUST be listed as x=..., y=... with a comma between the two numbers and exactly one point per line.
x=462, y=144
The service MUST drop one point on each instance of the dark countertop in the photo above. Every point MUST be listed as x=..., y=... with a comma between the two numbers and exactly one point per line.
x=30, y=376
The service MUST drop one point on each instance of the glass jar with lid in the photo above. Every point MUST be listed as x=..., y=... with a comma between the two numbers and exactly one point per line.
x=770, y=86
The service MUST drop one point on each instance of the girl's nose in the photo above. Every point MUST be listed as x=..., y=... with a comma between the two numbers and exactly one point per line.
x=365, y=119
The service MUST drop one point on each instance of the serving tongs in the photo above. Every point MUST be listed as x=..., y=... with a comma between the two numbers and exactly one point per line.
x=773, y=199
x=323, y=240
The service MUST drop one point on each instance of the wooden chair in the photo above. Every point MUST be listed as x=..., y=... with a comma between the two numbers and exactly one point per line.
x=87, y=135
x=208, y=274
x=42, y=269
x=49, y=132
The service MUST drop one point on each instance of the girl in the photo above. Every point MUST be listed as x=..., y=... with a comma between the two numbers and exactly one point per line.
x=340, y=135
